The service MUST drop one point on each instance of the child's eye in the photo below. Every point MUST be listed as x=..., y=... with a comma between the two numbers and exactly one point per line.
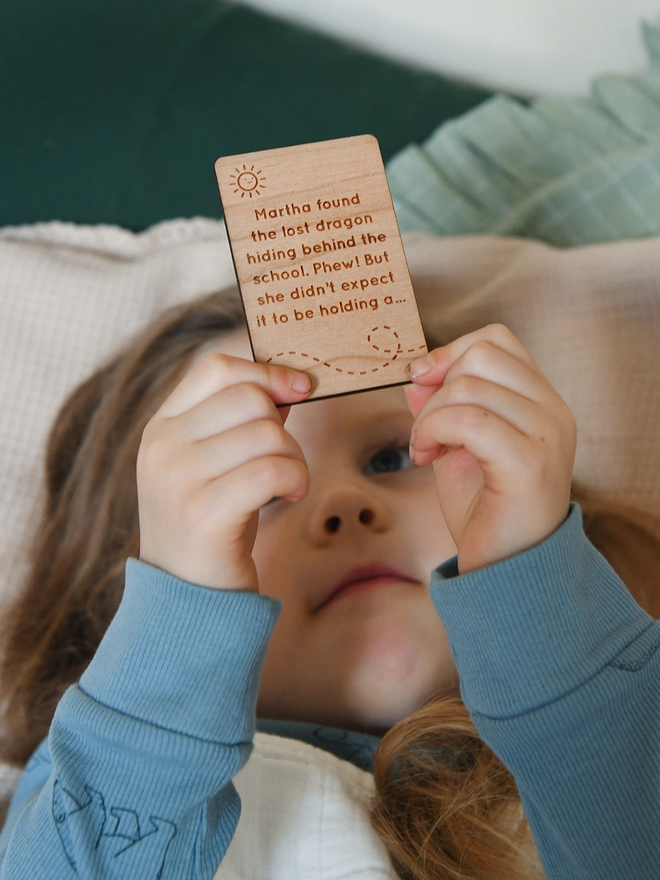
x=386, y=461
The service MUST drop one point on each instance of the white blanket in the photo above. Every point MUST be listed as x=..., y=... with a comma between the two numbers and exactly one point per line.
x=304, y=816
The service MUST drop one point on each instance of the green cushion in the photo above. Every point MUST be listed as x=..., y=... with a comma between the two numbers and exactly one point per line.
x=114, y=111
x=567, y=171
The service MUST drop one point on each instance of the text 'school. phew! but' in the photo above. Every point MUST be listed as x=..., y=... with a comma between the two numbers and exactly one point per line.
x=320, y=263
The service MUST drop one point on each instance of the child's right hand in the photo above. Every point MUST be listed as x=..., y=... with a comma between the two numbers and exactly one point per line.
x=213, y=454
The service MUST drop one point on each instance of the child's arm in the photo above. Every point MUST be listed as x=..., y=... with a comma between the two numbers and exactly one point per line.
x=144, y=748
x=559, y=667
x=560, y=670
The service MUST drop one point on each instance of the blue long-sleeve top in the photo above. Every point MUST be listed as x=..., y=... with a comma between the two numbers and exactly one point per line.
x=559, y=668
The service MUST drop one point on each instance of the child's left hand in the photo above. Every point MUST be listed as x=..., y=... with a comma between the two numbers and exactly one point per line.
x=502, y=442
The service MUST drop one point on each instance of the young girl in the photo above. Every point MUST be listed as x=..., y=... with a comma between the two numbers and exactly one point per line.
x=274, y=561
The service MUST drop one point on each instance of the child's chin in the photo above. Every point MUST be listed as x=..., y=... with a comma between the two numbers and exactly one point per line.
x=395, y=674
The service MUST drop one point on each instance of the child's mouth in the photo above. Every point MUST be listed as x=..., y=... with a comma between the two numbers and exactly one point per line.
x=364, y=578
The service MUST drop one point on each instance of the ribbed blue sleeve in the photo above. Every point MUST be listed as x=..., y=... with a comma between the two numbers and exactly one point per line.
x=144, y=748
x=560, y=670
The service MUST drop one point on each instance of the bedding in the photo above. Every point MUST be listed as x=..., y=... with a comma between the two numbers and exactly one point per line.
x=565, y=171
x=304, y=814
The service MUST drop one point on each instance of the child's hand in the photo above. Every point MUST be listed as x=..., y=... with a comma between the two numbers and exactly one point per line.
x=214, y=453
x=502, y=442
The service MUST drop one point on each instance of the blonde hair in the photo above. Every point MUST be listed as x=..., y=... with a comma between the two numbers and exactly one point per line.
x=446, y=807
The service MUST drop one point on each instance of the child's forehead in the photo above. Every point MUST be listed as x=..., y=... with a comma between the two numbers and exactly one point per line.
x=379, y=400
x=350, y=416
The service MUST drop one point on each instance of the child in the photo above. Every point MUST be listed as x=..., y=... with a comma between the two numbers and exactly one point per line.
x=329, y=510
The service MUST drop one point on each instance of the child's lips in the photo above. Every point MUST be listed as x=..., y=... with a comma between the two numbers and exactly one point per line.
x=365, y=577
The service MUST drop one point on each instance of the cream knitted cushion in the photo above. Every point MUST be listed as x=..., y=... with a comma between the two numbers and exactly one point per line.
x=69, y=297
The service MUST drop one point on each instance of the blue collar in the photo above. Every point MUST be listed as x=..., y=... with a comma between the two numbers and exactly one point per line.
x=358, y=748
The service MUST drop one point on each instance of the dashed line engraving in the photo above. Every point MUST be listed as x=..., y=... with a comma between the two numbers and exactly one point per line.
x=388, y=351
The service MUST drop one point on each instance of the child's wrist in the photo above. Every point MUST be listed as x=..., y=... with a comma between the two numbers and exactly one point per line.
x=212, y=576
x=520, y=541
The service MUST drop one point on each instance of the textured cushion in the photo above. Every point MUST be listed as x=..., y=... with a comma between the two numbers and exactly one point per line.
x=70, y=296
x=114, y=112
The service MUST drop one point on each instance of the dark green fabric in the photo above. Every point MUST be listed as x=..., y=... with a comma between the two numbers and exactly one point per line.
x=114, y=111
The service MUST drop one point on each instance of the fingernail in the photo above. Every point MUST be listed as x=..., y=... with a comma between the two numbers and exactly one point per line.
x=420, y=367
x=300, y=382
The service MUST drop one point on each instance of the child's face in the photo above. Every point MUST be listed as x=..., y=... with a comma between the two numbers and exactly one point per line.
x=366, y=655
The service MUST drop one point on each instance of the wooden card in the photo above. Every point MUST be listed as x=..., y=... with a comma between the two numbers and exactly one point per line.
x=320, y=263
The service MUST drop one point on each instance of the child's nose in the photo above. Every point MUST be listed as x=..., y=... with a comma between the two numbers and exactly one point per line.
x=333, y=523
x=347, y=512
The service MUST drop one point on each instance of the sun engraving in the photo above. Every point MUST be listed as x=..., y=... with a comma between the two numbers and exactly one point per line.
x=247, y=181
